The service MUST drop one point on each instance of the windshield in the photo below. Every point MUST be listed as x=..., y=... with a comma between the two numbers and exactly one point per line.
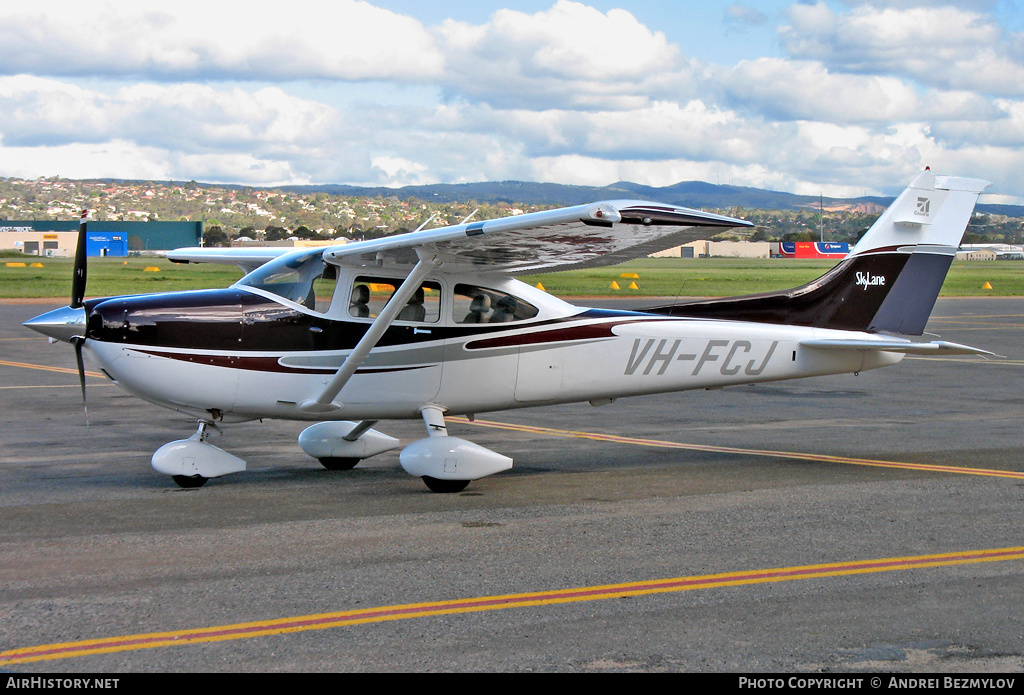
x=304, y=279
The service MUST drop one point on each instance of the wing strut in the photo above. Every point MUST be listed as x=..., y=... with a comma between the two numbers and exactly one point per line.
x=324, y=403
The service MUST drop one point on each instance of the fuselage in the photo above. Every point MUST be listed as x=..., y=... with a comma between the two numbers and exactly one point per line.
x=250, y=352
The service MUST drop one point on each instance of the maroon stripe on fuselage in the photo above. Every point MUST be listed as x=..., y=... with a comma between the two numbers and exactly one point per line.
x=588, y=331
x=263, y=364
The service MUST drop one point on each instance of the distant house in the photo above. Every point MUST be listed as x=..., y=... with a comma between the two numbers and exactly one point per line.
x=990, y=252
x=721, y=249
x=976, y=255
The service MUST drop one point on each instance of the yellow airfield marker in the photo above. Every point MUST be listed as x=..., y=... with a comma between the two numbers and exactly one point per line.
x=633, y=286
x=16, y=265
x=987, y=286
x=614, y=285
x=35, y=265
x=151, y=269
x=630, y=275
x=539, y=286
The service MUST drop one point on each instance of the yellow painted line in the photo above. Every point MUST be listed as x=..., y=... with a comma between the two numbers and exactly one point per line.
x=987, y=326
x=44, y=368
x=992, y=324
x=977, y=316
x=57, y=386
x=658, y=443
x=322, y=621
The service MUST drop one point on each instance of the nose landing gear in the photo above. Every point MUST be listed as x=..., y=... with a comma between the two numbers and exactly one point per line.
x=191, y=462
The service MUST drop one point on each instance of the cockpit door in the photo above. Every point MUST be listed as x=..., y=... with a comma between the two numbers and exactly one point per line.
x=407, y=363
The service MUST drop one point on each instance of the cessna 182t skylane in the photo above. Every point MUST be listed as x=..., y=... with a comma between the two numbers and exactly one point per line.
x=431, y=323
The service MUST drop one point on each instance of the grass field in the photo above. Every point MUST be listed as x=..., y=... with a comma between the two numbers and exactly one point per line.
x=663, y=277
x=723, y=277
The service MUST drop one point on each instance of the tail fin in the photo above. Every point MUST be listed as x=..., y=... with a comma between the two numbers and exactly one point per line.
x=888, y=283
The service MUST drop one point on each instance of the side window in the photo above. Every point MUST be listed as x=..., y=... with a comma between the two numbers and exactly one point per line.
x=371, y=294
x=480, y=305
x=323, y=289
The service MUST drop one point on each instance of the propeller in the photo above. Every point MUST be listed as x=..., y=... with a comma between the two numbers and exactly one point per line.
x=78, y=341
x=78, y=279
x=77, y=300
x=69, y=324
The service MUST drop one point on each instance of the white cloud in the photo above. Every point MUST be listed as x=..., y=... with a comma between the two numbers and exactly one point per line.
x=571, y=94
x=570, y=54
x=86, y=160
x=192, y=39
x=944, y=46
x=807, y=90
x=572, y=40
x=185, y=116
x=745, y=15
x=123, y=159
x=403, y=172
x=159, y=131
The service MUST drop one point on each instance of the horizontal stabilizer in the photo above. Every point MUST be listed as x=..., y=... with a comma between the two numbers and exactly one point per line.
x=936, y=347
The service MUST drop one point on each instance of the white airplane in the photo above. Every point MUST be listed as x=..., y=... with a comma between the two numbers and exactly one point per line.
x=432, y=323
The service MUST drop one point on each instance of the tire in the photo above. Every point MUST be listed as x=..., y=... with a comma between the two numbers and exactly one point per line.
x=337, y=463
x=445, y=486
x=189, y=481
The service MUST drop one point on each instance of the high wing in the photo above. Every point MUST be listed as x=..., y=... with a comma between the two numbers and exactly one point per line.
x=584, y=236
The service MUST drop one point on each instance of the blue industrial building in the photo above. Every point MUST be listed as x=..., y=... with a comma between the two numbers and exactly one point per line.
x=103, y=238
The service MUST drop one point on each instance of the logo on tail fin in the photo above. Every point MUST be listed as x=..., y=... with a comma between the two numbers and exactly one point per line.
x=867, y=280
x=924, y=207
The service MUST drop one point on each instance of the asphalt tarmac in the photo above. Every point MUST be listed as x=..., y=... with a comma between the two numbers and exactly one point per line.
x=847, y=524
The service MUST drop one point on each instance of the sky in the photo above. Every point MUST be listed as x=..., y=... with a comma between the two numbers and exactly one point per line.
x=832, y=97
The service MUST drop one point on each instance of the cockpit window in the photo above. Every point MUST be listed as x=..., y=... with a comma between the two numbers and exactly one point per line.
x=304, y=279
x=481, y=305
x=371, y=294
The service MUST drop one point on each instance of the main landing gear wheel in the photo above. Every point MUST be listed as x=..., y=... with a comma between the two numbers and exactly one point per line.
x=338, y=463
x=438, y=485
x=189, y=481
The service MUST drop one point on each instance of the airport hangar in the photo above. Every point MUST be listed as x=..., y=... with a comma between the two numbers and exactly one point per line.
x=58, y=238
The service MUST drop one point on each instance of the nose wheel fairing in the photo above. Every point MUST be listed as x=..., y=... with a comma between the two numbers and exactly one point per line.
x=193, y=460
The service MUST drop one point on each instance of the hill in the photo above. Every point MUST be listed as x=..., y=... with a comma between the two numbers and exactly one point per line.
x=364, y=212
x=693, y=194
